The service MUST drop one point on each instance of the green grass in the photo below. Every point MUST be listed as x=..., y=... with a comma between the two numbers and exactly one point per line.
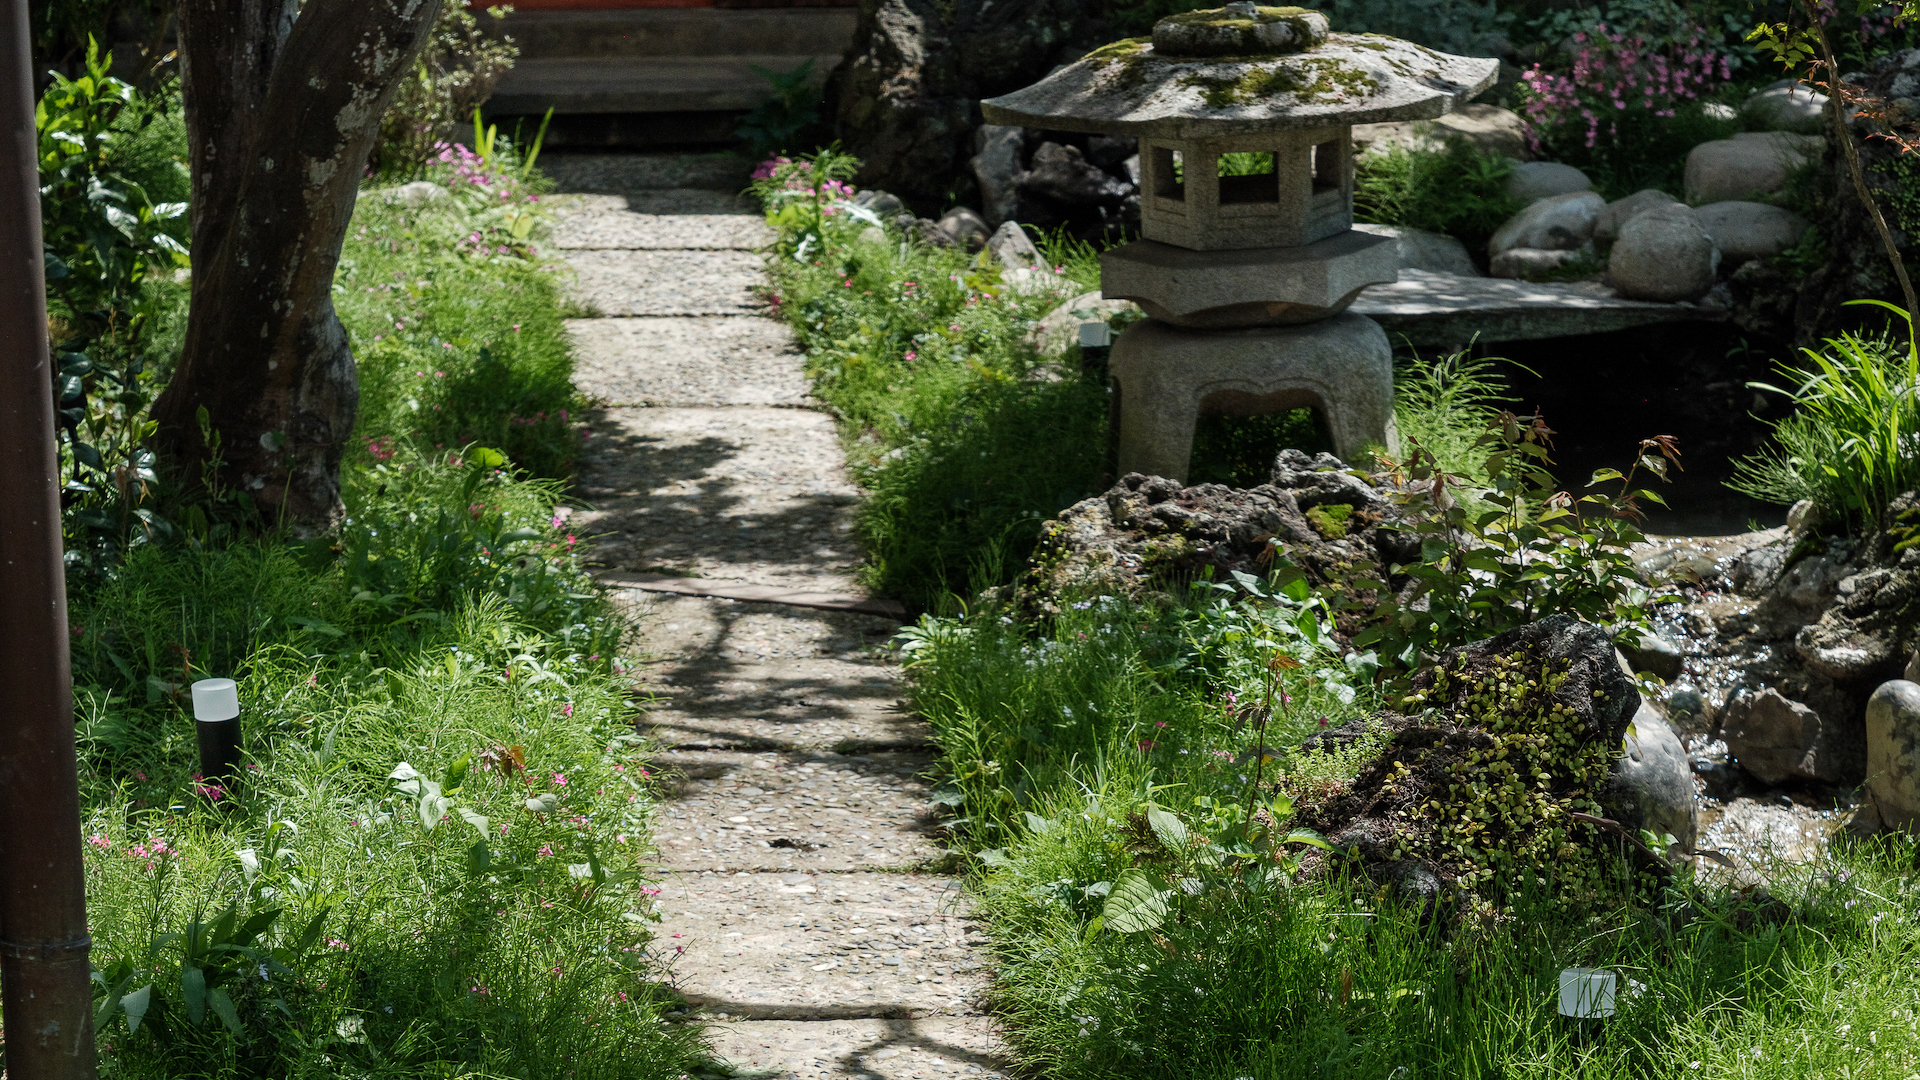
x=1849, y=445
x=432, y=865
x=1254, y=973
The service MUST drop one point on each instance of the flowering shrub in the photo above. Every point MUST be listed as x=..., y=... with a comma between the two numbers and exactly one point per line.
x=1652, y=65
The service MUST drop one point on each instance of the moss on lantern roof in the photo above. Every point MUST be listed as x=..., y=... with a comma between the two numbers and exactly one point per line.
x=1313, y=80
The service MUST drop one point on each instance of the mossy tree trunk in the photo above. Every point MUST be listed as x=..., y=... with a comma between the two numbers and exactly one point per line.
x=283, y=103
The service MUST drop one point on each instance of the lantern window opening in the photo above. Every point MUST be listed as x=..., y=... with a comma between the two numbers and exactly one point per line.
x=1329, y=167
x=1166, y=169
x=1255, y=179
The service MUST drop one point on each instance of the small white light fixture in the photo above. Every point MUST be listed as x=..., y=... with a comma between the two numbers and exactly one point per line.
x=1587, y=993
x=216, y=710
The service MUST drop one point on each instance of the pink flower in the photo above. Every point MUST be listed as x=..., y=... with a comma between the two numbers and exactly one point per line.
x=567, y=709
x=546, y=850
x=559, y=779
x=100, y=841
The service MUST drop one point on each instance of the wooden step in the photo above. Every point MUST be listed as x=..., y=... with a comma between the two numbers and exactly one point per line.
x=681, y=32
x=650, y=85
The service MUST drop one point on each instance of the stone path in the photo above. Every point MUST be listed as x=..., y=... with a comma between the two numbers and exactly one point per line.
x=803, y=911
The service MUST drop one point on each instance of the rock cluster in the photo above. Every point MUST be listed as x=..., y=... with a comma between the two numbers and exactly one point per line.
x=1148, y=532
x=1088, y=183
x=1498, y=785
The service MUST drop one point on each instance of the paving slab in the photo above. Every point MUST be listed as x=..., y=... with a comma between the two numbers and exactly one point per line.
x=1436, y=310
x=812, y=811
x=622, y=229
x=740, y=494
x=617, y=283
x=812, y=946
x=702, y=180
x=680, y=361
x=915, y=1049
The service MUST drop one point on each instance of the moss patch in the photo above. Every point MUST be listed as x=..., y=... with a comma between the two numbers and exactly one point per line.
x=1129, y=54
x=1310, y=80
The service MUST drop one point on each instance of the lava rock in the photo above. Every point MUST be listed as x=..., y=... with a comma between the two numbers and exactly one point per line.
x=1063, y=174
x=996, y=168
x=1778, y=739
x=1663, y=254
x=885, y=205
x=1014, y=249
x=1893, y=753
x=1652, y=785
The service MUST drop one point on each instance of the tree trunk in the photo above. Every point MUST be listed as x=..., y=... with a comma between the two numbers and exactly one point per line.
x=282, y=105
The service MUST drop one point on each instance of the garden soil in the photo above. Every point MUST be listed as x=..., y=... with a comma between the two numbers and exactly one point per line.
x=802, y=915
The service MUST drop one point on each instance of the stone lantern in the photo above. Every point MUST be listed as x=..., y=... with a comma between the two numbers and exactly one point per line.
x=1246, y=276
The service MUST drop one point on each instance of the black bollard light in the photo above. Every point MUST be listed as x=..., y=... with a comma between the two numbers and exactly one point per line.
x=216, y=714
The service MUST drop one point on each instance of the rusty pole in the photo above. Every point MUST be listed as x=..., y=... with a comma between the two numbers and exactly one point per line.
x=44, y=981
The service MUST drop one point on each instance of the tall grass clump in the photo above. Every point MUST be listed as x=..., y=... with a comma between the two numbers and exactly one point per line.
x=1853, y=441
x=1444, y=404
x=964, y=435
x=1457, y=189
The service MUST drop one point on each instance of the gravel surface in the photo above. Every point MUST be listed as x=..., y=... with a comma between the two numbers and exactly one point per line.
x=698, y=361
x=795, y=771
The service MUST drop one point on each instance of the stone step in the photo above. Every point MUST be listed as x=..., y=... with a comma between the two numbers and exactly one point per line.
x=681, y=32
x=933, y=1048
x=769, y=811
x=873, y=945
x=739, y=494
x=604, y=222
x=689, y=361
x=616, y=283
x=680, y=183
x=659, y=84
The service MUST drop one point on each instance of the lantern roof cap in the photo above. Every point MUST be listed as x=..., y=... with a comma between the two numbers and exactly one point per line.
x=1244, y=70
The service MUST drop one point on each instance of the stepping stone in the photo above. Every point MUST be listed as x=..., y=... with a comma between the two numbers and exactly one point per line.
x=700, y=183
x=804, y=946
x=618, y=283
x=700, y=361
x=601, y=229
x=795, y=811
x=741, y=494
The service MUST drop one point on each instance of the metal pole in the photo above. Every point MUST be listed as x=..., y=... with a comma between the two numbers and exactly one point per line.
x=44, y=981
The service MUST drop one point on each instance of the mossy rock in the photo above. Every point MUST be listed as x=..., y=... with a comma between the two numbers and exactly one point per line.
x=1240, y=30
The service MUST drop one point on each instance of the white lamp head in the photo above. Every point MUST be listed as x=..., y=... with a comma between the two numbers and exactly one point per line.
x=215, y=700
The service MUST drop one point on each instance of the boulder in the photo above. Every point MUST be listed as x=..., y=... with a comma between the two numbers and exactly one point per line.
x=1058, y=330
x=1719, y=110
x=416, y=195
x=1652, y=785
x=1534, y=264
x=1487, y=128
x=905, y=99
x=1750, y=230
x=1648, y=651
x=1912, y=674
x=1011, y=245
x=1778, y=739
x=1063, y=174
x=1499, y=745
x=1663, y=254
x=885, y=205
x=1621, y=211
x=1532, y=180
x=1422, y=250
x=1553, y=223
x=961, y=228
x=1893, y=753
x=996, y=168
x=1749, y=164
x=1787, y=105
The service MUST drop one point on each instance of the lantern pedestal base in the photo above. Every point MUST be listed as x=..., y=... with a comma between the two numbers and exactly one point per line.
x=1166, y=377
x=1221, y=290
